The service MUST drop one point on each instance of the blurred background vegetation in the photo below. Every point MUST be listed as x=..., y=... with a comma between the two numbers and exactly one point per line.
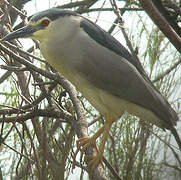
x=38, y=113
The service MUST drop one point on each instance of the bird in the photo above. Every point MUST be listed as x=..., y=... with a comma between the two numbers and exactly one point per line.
x=101, y=68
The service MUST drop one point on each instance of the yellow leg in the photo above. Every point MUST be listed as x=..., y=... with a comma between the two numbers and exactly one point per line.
x=98, y=158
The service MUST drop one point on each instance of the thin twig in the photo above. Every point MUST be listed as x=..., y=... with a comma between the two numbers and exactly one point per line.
x=170, y=69
x=14, y=9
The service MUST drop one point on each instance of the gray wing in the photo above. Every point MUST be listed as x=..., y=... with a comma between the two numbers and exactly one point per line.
x=108, y=41
x=122, y=75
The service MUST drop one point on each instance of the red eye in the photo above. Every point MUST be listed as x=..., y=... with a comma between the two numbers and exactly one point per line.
x=45, y=23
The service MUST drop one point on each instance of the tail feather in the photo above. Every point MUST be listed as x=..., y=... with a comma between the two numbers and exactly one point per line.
x=176, y=136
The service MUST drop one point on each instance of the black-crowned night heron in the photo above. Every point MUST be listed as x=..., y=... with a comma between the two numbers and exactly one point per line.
x=107, y=75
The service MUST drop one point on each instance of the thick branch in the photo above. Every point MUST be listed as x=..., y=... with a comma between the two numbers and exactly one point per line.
x=40, y=112
x=161, y=22
x=158, y=4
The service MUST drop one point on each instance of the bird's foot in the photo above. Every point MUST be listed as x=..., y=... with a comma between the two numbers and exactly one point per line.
x=85, y=143
x=92, y=160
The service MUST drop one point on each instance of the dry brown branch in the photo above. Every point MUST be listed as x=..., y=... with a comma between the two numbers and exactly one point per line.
x=162, y=24
x=17, y=11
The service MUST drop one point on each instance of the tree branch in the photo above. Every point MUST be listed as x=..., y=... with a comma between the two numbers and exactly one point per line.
x=161, y=22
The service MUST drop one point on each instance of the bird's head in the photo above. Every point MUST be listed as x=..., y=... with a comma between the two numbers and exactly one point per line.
x=44, y=25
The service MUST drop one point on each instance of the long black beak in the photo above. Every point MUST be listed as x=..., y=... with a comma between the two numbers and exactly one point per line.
x=23, y=32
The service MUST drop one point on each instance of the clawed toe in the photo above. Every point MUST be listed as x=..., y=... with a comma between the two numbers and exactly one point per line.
x=85, y=143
